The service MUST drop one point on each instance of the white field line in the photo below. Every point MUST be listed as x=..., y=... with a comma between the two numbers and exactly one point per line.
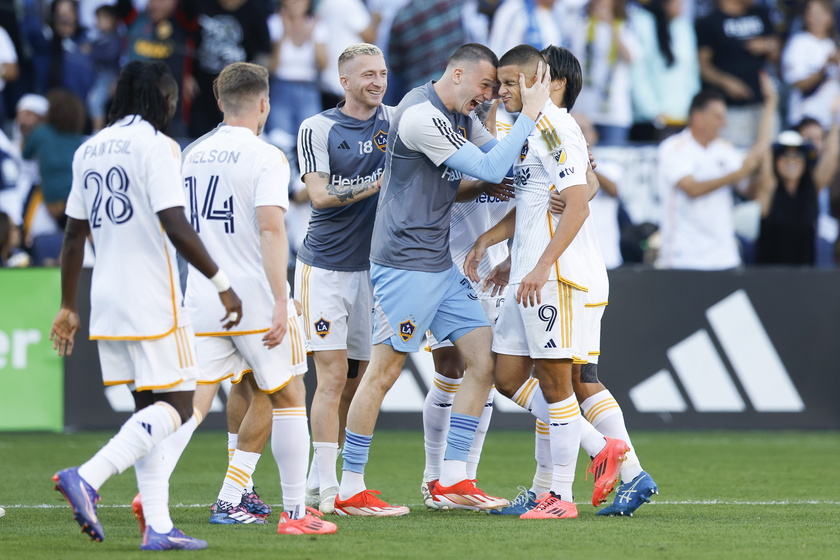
x=655, y=502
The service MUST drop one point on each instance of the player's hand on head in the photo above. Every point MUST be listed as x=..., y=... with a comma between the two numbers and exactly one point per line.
x=233, y=309
x=498, y=278
x=535, y=97
x=63, y=331
x=279, y=325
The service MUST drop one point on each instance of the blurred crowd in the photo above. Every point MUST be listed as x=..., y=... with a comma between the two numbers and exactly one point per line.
x=766, y=72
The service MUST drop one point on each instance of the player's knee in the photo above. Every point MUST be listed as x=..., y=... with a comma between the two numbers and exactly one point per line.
x=507, y=387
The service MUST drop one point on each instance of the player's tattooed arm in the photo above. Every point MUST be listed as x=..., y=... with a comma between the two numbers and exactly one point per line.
x=325, y=194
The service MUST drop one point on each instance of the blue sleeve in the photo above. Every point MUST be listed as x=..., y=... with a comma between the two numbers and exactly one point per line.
x=495, y=164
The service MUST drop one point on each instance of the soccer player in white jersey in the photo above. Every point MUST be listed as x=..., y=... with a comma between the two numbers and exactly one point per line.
x=545, y=326
x=127, y=195
x=238, y=192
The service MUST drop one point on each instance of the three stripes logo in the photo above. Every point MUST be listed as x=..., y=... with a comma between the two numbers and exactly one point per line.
x=704, y=376
x=550, y=344
x=344, y=145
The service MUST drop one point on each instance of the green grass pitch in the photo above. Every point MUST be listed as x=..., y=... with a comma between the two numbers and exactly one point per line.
x=722, y=495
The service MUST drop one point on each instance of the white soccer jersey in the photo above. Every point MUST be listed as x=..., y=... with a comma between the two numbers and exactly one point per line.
x=469, y=220
x=555, y=157
x=697, y=232
x=122, y=178
x=227, y=174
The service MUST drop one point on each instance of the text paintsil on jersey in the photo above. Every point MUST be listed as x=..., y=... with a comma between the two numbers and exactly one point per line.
x=214, y=156
x=107, y=147
x=358, y=180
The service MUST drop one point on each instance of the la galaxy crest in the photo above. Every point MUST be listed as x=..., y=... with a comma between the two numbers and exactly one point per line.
x=380, y=140
x=462, y=131
x=407, y=329
x=322, y=327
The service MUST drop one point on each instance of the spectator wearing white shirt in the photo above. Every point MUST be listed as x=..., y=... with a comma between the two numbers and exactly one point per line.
x=538, y=23
x=697, y=170
x=299, y=53
x=606, y=47
x=9, y=70
x=810, y=65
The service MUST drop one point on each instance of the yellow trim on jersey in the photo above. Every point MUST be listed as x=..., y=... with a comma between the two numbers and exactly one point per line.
x=549, y=134
x=557, y=262
x=232, y=333
x=602, y=304
x=595, y=353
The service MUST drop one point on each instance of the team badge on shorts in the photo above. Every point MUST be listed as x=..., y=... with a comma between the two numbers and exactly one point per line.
x=380, y=139
x=407, y=329
x=322, y=327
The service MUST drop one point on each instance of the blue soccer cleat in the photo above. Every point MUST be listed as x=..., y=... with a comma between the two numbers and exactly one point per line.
x=82, y=498
x=173, y=540
x=255, y=506
x=523, y=503
x=630, y=496
x=225, y=513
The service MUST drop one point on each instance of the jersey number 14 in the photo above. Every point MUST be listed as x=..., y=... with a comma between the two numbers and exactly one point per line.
x=209, y=210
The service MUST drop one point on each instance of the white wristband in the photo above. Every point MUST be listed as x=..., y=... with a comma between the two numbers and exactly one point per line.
x=220, y=280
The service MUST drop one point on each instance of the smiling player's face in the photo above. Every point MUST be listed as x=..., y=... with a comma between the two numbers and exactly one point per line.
x=475, y=86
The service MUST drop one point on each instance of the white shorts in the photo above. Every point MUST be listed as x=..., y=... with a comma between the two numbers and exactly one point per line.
x=160, y=365
x=592, y=314
x=553, y=330
x=491, y=306
x=337, y=309
x=223, y=357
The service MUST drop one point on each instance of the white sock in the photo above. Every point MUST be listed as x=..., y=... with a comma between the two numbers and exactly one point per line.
x=325, y=457
x=351, y=484
x=138, y=436
x=564, y=431
x=591, y=440
x=153, y=483
x=173, y=446
x=290, y=446
x=233, y=441
x=602, y=410
x=542, y=453
x=525, y=394
x=313, y=481
x=480, y=434
x=436, y=410
x=239, y=470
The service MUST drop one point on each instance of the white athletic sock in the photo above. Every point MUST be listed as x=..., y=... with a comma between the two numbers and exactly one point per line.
x=233, y=441
x=591, y=440
x=352, y=483
x=564, y=431
x=542, y=453
x=140, y=433
x=290, y=446
x=239, y=470
x=153, y=483
x=313, y=481
x=436, y=410
x=326, y=456
x=173, y=446
x=602, y=410
x=525, y=394
x=480, y=434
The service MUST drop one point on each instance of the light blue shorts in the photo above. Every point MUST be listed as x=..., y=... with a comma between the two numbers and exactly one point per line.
x=408, y=302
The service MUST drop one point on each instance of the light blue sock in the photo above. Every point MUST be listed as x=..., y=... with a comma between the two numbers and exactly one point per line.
x=461, y=434
x=356, y=448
